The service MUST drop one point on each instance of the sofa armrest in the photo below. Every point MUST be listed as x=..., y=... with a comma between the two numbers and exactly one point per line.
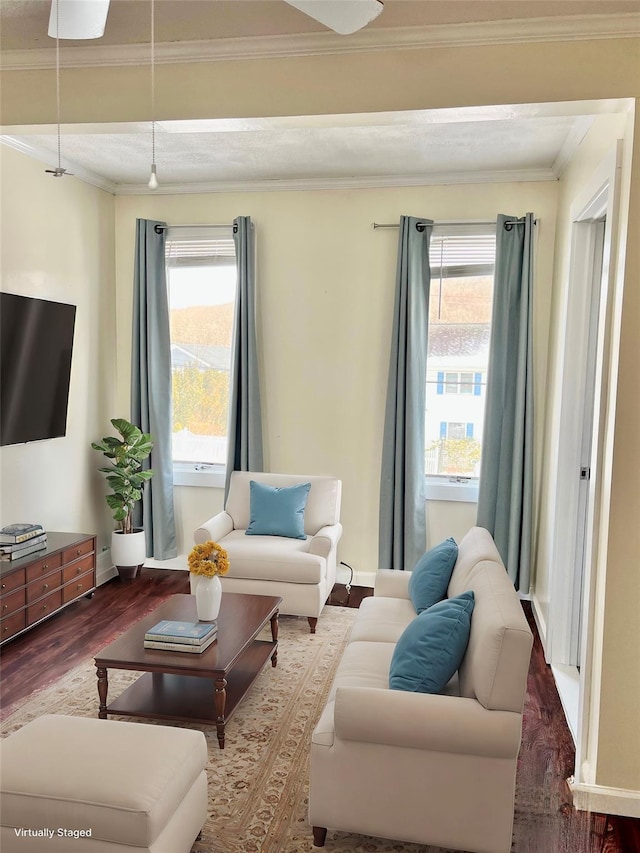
x=215, y=528
x=391, y=583
x=425, y=721
x=325, y=540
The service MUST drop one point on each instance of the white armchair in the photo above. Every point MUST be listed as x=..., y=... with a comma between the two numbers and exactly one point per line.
x=302, y=571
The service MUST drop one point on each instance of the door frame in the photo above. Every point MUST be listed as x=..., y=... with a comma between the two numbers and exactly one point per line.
x=599, y=200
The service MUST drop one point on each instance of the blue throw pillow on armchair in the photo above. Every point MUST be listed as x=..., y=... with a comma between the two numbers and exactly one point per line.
x=431, y=647
x=277, y=511
x=430, y=578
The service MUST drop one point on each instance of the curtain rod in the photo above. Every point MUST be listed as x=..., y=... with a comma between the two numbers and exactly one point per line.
x=420, y=225
x=159, y=228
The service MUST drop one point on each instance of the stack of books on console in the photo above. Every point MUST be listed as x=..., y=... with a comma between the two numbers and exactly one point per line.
x=20, y=540
x=171, y=636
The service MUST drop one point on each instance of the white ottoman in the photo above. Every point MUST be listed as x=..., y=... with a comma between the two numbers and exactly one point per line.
x=101, y=786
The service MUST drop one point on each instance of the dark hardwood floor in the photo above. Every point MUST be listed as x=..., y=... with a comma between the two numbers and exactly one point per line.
x=47, y=652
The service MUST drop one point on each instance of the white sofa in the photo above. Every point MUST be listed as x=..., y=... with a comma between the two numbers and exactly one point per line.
x=302, y=571
x=434, y=769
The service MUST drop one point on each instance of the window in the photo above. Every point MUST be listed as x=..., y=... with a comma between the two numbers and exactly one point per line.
x=462, y=260
x=201, y=281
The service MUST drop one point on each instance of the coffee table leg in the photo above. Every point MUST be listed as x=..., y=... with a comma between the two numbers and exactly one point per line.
x=103, y=686
x=274, y=637
x=219, y=699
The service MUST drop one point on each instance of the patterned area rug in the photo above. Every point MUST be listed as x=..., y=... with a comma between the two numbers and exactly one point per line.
x=258, y=785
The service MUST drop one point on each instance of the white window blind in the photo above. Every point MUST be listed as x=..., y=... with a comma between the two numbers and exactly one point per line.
x=193, y=247
x=462, y=250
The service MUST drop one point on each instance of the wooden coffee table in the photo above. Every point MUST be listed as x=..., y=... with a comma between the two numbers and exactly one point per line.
x=196, y=688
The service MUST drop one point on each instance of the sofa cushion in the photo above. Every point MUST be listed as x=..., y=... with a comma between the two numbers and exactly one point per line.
x=432, y=646
x=276, y=559
x=277, y=511
x=430, y=578
x=382, y=620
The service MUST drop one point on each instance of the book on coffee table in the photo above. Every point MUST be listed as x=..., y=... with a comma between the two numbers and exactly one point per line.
x=187, y=633
x=167, y=646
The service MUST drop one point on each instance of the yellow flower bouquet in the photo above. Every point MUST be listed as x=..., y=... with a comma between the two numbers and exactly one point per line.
x=208, y=559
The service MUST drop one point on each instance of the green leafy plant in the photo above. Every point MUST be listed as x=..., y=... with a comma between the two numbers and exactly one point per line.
x=124, y=475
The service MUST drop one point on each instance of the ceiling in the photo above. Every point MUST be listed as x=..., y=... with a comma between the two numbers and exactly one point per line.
x=526, y=142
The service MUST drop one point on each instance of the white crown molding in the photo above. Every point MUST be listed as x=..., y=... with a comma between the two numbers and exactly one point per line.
x=369, y=182
x=50, y=160
x=515, y=31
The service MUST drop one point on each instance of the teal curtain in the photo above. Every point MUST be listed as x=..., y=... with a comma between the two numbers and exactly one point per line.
x=505, y=499
x=402, y=531
x=151, y=386
x=245, y=419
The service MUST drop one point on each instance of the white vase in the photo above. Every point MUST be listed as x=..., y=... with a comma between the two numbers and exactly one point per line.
x=208, y=597
x=193, y=582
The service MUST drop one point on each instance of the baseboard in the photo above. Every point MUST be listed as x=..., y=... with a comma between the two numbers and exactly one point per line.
x=105, y=570
x=364, y=579
x=541, y=624
x=612, y=801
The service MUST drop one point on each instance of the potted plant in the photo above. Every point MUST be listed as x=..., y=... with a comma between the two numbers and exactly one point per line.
x=126, y=479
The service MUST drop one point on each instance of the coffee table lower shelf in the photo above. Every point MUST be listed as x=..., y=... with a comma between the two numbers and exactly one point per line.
x=189, y=698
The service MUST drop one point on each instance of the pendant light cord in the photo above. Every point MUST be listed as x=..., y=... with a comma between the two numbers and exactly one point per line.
x=153, y=83
x=58, y=77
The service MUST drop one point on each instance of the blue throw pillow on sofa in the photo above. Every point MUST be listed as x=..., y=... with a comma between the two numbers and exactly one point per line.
x=430, y=578
x=432, y=646
x=277, y=511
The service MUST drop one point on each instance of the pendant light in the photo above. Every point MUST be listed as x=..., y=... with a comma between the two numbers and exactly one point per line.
x=153, y=180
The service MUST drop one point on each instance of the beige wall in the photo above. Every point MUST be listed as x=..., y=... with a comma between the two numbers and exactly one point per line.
x=58, y=243
x=326, y=287
x=343, y=83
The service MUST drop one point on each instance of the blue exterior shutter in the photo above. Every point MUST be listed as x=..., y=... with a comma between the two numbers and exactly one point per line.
x=440, y=382
x=443, y=429
x=469, y=430
x=477, y=384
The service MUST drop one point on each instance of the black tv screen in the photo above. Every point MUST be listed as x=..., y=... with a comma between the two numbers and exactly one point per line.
x=36, y=340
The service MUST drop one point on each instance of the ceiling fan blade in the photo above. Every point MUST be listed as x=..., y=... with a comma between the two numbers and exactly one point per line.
x=78, y=19
x=341, y=16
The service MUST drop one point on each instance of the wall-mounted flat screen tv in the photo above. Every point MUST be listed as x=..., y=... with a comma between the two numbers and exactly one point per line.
x=36, y=341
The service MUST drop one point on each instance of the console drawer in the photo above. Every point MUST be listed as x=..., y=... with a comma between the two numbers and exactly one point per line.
x=78, y=568
x=77, y=587
x=12, y=581
x=12, y=602
x=11, y=625
x=78, y=550
x=43, y=586
x=44, y=607
x=42, y=567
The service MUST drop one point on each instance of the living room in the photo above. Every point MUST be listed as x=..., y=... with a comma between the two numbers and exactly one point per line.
x=325, y=297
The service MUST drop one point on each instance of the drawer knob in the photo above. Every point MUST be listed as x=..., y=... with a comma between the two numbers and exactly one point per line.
x=5, y=629
x=79, y=551
x=79, y=570
x=45, y=586
x=78, y=586
x=45, y=606
x=4, y=586
x=45, y=567
x=5, y=606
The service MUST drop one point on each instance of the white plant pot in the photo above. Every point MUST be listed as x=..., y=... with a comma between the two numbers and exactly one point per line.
x=208, y=597
x=128, y=551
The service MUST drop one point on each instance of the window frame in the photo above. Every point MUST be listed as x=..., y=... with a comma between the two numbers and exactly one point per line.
x=458, y=488
x=198, y=474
